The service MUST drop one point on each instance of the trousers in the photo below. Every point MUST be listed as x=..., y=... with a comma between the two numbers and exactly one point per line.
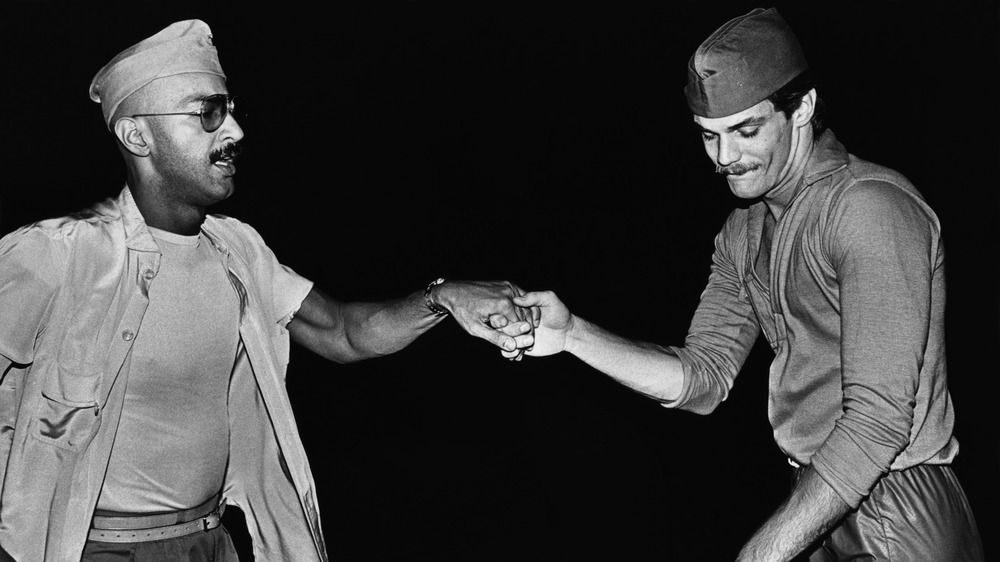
x=919, y=514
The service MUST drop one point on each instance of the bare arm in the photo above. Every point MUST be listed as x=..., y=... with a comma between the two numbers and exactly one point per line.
x=644, y=367
x=348, y=332
x=812, y=508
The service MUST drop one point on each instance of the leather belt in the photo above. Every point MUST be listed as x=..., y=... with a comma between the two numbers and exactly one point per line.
x=144, y=528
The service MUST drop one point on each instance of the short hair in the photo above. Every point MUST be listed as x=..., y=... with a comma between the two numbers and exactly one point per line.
x=788, y=98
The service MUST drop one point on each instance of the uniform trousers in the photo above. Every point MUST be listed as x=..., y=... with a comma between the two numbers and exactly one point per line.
x=918, y=514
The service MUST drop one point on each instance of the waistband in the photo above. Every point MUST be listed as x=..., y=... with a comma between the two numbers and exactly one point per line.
x=799, y=469
x=142, y=528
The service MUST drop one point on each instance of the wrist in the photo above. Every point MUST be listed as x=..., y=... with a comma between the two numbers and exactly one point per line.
x=574, y=334
x=431, y=297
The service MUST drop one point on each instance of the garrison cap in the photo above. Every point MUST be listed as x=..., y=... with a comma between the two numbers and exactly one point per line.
x=181, y=47
x=742, y=63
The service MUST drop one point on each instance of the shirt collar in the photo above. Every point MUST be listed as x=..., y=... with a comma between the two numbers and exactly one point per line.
x=137, y=235
x=827, y=157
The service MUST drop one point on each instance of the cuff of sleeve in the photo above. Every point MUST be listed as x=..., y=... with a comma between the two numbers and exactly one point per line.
x=846, y=467
x=695, y=396
x=299, y=290
x=681, y=398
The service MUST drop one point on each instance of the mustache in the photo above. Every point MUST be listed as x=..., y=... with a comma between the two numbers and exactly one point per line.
x=230, y=151
x=736, y=169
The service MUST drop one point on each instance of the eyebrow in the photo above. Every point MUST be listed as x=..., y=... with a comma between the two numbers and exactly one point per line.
x=195, y=98
x=748, y=122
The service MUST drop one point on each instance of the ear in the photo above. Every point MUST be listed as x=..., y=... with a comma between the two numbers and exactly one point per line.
x=804, y=113
x=130, y=134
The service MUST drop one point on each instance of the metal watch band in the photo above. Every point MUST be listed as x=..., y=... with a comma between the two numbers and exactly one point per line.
x=437, y=310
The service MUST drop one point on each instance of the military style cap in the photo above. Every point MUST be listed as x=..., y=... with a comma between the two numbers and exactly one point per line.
x=742, y=63
x=180, y=48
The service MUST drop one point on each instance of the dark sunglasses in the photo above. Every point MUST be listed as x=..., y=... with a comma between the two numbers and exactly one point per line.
x=213, y=112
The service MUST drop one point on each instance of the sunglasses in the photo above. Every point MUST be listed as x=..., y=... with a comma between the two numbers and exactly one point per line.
x=213, y=112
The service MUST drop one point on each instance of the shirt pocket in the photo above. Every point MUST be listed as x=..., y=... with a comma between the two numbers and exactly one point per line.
x=68, y=415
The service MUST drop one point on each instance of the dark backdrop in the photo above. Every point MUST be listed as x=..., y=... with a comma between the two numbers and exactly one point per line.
x=392, y=143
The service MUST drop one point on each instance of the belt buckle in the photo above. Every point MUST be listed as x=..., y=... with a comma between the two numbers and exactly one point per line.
x=210, y=521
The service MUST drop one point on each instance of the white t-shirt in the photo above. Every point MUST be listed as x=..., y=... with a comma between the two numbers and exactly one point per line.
x=172, y=445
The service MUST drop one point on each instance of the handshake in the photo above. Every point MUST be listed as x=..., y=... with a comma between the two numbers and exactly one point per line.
x=518, y=322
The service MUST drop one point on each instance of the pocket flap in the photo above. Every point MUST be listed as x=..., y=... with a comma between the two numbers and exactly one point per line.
x=72, y=389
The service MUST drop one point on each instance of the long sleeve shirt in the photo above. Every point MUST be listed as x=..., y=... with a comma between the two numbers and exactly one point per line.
x=853, y=308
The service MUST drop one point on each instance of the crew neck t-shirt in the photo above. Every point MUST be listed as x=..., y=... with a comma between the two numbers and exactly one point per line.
x=172, y=445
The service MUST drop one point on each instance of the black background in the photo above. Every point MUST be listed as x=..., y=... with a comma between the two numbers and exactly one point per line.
x=389, y=143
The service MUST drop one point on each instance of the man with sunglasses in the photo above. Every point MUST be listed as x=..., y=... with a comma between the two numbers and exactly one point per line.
x=144, y=342
x=839, y=264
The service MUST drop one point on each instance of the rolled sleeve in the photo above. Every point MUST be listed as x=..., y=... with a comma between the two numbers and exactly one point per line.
x=722, y=331
x=286, y=288
x=290, y=289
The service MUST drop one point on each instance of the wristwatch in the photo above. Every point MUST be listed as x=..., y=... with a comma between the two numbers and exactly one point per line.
x=437, y=310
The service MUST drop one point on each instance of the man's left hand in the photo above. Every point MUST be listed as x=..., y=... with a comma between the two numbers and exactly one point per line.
x=477, y=306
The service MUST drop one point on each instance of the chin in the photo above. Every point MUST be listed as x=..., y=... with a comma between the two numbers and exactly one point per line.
x=221, y=191
x=741, y=189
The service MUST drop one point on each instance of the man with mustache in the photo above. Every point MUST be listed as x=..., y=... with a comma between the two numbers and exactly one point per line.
x=144, y=342
x=839, y=263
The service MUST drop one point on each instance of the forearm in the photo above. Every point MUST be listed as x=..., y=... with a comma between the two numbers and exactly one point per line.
x=377, y=329
x=644, y=367
x=812, y=509
x=349, y=332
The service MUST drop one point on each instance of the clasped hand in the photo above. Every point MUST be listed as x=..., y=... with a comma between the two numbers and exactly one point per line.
x=516, y=321
x=487, y=309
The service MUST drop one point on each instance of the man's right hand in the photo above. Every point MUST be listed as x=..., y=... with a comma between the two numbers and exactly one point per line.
x=647, y=368
x=552, y=330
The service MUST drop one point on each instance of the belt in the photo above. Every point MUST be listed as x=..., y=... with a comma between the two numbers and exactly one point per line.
x=143, y=528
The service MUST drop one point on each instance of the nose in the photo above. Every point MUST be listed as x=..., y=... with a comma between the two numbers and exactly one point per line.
x=232, y=128
x=728, y=151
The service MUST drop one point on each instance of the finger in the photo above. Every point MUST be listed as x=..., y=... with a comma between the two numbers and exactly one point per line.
x=518, y=292
x=498, y=321
x=514, y=315
x=496, y=337
x=516, y=328
x=530, y=314
x=515, y=355
x=528, y=299
x=502, y=305
x=520, y=312
x=524, y=341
